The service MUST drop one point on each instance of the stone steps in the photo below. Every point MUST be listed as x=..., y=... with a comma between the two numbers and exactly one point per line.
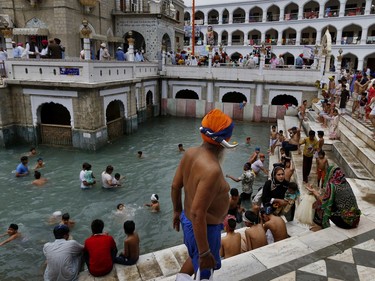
x=361, y=129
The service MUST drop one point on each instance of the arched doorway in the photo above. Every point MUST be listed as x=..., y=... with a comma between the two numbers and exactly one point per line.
x=166, y=41
x=288, y=59
x=150, y=104
x=115, y=119
x=349, y=61
x=370, y=61
x=234, y=97
x=55, y=124
x=187, y=94
x=284, y=99
x=139, y=41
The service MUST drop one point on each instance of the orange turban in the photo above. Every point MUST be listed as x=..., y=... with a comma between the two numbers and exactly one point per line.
x=218, y=123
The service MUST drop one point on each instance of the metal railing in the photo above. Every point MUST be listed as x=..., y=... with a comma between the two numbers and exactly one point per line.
x=354, y=11
x=331, y=13
x=350, y=40
x=291, y=16
x=52, y=134
x=255, y=18
x=289, y=41
x=273, y=17
x=255, y=42
x=311, y=15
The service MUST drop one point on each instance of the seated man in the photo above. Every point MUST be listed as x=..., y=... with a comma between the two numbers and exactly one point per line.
x=274, y=223
x=293, y=143
x=231, y=243
x=130, y=255
x=100, y=250
x=254, y=233
x=63, y=256
x=12, y=232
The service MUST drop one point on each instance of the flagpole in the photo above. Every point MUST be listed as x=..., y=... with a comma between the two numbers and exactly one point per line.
x=193, y=29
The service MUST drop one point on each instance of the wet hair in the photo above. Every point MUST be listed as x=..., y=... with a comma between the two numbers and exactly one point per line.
x=31, y=149
x=24, y=158
x=293, y=186
x=117, y=176
x=180, y=145
x=320, y=133
x=109, y=169
x=13, y=226
x=129, y=227
x=311, y=133
x=281, y=132
x=88, y=167
x=39, y=159
x=65, y=216
x=140, y=152
x=60, y=231
x=252, y=217
x=273, y=127
x=234, y=192
x=37, y=175
x=119, y=205
x=232, y=224
x=85, y=165
x=97, y=226
x=321, y=152
x=247, y=165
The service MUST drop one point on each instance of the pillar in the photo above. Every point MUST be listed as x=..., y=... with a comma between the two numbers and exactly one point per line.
x=210, y=59
x=263, y=37
x=300, y=12
x=220, y=18
x=342, y=9
x=360, y=63
x=264, y=18
x=368, y=7
x=279, y=38
x=118, y=6
x=259, y=95
x=338, y=36
x=282, y=14
x=210, y=92
x=229, y=39
x=318, y=37
x=130, y=53
x=364, y=36
x=205, y=19
x=219, y=38
x=321, y=11
x=247, y=16
x=87, y=48
x=230, y=18
x=164, y=89
x=163, y=59
x=328, y=62
x=298, y=37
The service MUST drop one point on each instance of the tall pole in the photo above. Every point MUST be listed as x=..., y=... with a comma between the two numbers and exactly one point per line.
x=193, y=29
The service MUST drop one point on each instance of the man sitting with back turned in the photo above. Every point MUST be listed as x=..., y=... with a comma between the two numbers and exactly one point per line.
x=206, y=195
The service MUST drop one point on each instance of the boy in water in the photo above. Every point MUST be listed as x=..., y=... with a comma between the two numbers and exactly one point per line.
x=247, y=180
x=254, y=233
x=155, y=206
x=181, y=148
x=12, y=232
x=39, y=164
x=117, y=180
x=32, y=152
x=231, y=243
x=120, y=208
x=130, y=254
x=140, y=154
x=65, y=219
x=235, y=208
x=321, y=167
x=39, y=180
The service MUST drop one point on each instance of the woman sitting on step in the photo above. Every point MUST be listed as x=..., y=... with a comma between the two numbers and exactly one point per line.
x=336, y=203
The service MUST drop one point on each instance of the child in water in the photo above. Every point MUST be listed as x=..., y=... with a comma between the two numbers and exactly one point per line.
x=39, y=164
x=89, y=177
x=120, y=208
x=155, y=206
x=117, y=180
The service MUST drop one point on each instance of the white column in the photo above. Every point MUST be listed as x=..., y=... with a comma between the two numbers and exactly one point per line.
x=205, y=19
x=364, y=36
x=259, y=95
x=130, y=53
x=261, y=67
x=210, y=92
x=298, y=37
x=300, y=12
x=163, y=60
x=164, y=89
x=328, y=62
x=204, y=38
x=141, y=5
x=220, y=18
x=86, y=48
x=229, y=39
x=264, y=18
x=219, y=38
x=338, y=36
x=360, y=63
x=210, y=60
x=368, y=7
x=318, y=36
x=322, y=65
x=247, y=16
x=263, y=37
x=321, y=11
x=118, y=6
x=279, y=38
x=342, y=8
x=282, y=14
x=9, y=47
x=231, y=18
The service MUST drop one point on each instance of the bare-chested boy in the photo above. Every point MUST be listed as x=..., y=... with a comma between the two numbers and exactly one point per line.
x=255, y=234
x=289, y=169
x=321, y=167
x=302, y=113
x=130, y=254
x=273, y=137
x=154, y=205
x=293, y=143
x=235, y=208
x=12, y=232
x=39, y=180
x=231, y=243
x=275, y=224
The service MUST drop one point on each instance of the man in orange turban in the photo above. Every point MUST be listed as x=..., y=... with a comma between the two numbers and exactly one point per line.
x=206, y=200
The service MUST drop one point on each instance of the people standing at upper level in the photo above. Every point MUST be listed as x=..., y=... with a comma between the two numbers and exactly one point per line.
x=103, y=52
x=120, y=55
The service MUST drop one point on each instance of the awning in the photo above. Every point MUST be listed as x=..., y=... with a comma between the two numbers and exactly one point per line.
x=115, y=39
x=30, y=31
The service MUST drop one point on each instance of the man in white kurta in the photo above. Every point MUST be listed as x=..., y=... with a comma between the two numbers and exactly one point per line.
x=63, y=256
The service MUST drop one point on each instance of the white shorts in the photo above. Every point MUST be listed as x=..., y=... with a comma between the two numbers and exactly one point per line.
x=372, y=111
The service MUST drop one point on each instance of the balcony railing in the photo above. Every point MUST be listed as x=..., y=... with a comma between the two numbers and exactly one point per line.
x=271, y=41
x=370, y=40
x=273, y=17
x=311, y=15
x=331, y=13
x=213, y=21
x=291, y=16
x=354, y=11
x=256, y=18
x=255, y=42
x=239, y=19
x=289, y=41
x=350, y=40
x=237, y=42
x=225, y=20
x=308, y=41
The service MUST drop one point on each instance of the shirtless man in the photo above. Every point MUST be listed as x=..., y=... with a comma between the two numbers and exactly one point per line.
x=12, y=232
x=254, y=156
x=206, y=200
x=231, y=243
x=293, y=143
x=273, y=137
x=39, y=180
x=255, y=234
x=302, y=113
x=289, y=169
x=356, y=92
x=276, y=225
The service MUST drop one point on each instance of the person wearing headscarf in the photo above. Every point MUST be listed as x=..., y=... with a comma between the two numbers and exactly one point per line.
x=337, y=203
x=206, y=199
x=275, y=188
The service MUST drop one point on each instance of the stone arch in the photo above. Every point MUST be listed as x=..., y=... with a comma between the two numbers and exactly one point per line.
x=54, y=124
x=239, y=15
x=234, y=97
x=213, y=17
x=284, y=99
x=254, y=37
x=225, y=16
x=139, y=41
x=331, y=8
x=235, y=56
x=273, y=13
x=369, y=61
x=187, y=18
x=349, y=61
x=115, y=119
x=288, y=58
x=224, y=37
x=332, y=32
x=291, y=11
x=351, y=34
x=149, y=103
x=199, y=17
x=237, y=37
x=289, y=36
x=187, y=94
x=256, y=14
x=311, y=10
x=308, y=36
x=271, y=36
x=166, y=41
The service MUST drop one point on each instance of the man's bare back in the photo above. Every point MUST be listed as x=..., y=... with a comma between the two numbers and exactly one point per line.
x=255, y=237
x=131, y=246
x=230, y=245
x=277, y=227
